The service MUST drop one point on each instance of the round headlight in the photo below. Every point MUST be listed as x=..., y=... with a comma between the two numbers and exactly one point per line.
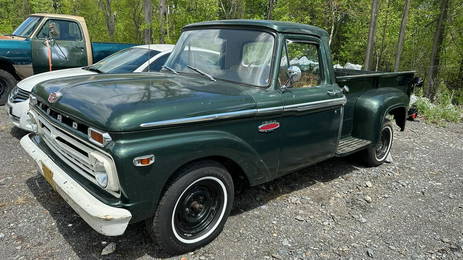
x=31, y=122
x=102, y=179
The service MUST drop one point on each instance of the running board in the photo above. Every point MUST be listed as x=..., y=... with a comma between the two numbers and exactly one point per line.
x=351, y=144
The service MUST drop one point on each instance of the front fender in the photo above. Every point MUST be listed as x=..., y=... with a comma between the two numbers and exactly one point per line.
x=371, y=109
x=142, y=184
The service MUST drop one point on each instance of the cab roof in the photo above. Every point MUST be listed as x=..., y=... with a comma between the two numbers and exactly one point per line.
x=278, y=26
x=65, y=16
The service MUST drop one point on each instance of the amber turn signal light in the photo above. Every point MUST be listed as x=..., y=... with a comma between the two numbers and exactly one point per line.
x=98, y=137
x=144, y=160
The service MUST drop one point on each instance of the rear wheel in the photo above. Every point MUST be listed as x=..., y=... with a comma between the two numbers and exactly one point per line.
x=194, y=208
x=375, y=155
x=7, y=82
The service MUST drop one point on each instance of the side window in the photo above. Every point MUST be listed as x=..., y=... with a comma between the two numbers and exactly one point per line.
x=306, y=57
x=60, y=30
x=157, y=64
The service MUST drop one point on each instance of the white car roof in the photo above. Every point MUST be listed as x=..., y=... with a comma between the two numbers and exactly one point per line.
x=157, y=47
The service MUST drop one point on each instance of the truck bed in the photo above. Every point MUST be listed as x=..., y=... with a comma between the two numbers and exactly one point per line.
x=360, y=81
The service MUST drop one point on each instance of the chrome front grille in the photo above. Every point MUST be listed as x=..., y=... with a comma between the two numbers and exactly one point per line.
x=72, y=151
x=19, y=95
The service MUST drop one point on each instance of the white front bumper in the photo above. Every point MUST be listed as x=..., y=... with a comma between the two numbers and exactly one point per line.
x=18, y=114
x=104, y=219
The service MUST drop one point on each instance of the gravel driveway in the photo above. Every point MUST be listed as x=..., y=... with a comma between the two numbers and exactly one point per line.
x=411, y=208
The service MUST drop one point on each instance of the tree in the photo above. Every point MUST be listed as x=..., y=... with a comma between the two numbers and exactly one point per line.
x=371, y=34
x=400, y=41
x=148, y=15
x=270, y=9
x=231, y=9
x=162, y=20
x=432, y=83
x=105, y=6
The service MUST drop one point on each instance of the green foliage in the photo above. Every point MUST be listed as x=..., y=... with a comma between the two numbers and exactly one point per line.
x=440, y=111
x=346, y=21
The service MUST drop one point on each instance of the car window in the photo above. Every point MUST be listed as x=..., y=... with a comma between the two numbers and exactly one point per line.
x=157, y=64
x=306, y=57
x=60, y=30
x=124, y=61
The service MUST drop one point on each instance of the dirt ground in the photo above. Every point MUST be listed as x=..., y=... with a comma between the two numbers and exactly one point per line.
x=411, y=208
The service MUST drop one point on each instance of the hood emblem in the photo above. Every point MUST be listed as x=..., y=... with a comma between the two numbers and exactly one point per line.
x=53, y=97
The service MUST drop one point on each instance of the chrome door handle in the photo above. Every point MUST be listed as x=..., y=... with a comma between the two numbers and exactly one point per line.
x=344, y=90
x=333, y=92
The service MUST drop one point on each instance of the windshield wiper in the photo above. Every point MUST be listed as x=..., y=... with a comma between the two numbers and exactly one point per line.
x=169, y=69
x=89, y=68
x=201, y=72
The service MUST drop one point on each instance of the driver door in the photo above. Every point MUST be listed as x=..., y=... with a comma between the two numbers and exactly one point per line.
x=67, y=46
x=312, y=113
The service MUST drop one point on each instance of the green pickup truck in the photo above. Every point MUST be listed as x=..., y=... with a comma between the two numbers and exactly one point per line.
x=239, y=102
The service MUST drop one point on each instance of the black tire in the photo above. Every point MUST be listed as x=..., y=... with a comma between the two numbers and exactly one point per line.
x=7, y=82
x=193, y=209
x=376, y=154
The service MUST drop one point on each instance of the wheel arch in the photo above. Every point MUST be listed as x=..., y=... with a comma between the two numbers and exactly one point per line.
x=240, y=179
x=372, y=108
x=7, y=65
x=400, y=116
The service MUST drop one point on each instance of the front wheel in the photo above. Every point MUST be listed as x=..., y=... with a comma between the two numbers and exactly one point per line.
x=194, y=208
x=375, y=155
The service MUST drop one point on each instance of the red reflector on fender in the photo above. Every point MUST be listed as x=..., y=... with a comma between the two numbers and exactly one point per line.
x=267, y=127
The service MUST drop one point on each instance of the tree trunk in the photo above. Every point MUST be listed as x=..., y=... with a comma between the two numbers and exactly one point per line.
x=383, y=38
x=371, y=34
x=232, y=9
x=162, y=16
x=105, y=6
x=270, y=9
x=432, y=83
x=403, y=28
x=148, y=15
x=333, y=11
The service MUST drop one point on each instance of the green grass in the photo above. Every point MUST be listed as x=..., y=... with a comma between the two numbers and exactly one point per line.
x=441, y=111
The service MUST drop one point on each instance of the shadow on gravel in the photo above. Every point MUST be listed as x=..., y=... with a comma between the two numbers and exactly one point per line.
x=17, y=132
x=257, y=196
x=135, y=242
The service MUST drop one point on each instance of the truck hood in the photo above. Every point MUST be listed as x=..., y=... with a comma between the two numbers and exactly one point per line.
x=11, y=37
x=28, y=83
x=122, y=102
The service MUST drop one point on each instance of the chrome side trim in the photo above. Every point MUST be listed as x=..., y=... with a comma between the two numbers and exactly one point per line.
x=270, y=110
x=316, y=104
x=196, y=119
x=250, y=112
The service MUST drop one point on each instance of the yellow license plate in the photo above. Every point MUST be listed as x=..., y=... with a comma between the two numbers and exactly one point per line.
x=48, y=175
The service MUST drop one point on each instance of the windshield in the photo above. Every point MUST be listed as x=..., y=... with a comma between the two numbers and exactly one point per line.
x=124, y=61
x=26, y=28
x=241, y=56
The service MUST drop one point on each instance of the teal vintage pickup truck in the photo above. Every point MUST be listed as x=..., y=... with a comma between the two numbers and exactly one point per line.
x=25, y=51
x=239, y=102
